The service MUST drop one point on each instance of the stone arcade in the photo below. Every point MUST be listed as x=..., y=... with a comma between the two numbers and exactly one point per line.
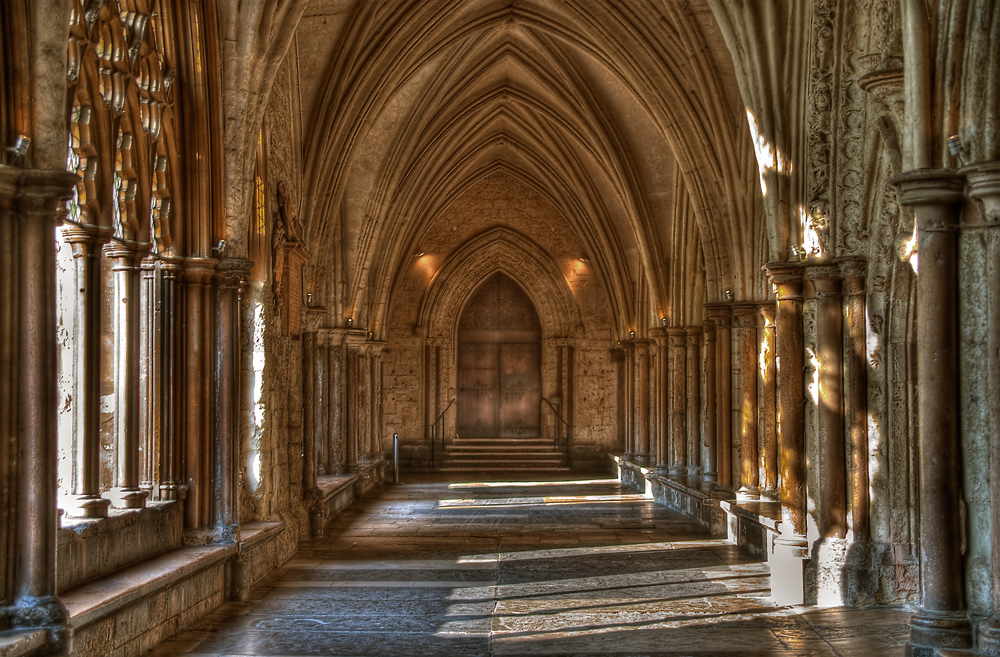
x=744, y=252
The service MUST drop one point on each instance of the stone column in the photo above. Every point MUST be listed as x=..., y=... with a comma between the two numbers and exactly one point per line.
x=232, y=274
x=564, y=401
x=642, y=400
x=356, y=408
x=711, y=395
x=984, y=187
x=308, y=412
x=127, y=306
x=375, y=351
x=767, y=424
x=856, y=380
x=171, y=485
x=631, y=445
x=87, y=242
x=36, y=206
x=197, y=386
x=694, y=399
x=721, y=314
x=745, y=315
x=941, y=621
x=338, y=459
x=832, y=467
x=789, y=352
x=149, y=379
x=661, y=408
x=678, y=407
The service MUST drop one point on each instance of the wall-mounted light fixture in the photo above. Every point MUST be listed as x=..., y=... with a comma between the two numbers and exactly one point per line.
x=20, y=147
x=584, y=259
x=631, y=335
x=955, y=146
x=350, y=321
x=419, y=254
x=796, y=252
x=663, y=321
x=220, y=246
x=309, y=299
x=729, y=295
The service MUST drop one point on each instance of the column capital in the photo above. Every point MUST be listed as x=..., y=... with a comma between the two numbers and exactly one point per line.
x=331, y=337
x=128, y=252
x=929, y=187
x=43, y=191
x=787, y=278
x=852, y=267
x=87, y=234
x=233, y=272
x=199, y=270
x=825, y=279
x=984, y=187
x=719, y=313
x=693, y=332
x=767, y=310
x=708, y=327
x=745, y=314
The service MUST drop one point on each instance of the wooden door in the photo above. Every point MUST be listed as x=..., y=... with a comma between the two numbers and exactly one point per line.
x=499, y=363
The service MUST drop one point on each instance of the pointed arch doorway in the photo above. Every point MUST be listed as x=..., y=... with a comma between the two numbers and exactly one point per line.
x=499, y=364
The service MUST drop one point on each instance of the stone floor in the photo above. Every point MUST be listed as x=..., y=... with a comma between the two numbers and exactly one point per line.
x=563, y=567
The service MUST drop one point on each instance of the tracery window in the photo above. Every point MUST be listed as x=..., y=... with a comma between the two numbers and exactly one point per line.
x=117, y=260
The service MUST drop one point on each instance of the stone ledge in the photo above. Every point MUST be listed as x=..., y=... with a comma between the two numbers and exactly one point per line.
x=753, y=524
x=252, y=533
x=91, y=602
x=696, y=497
x=21, y=643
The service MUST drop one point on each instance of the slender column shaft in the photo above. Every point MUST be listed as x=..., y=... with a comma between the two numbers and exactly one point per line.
x=832, y=514
x=150, y=378
x=678, y=407
x=631, y=446
x=941, y=621
x=39, y=197
x=171, y=450
x=375, y=400
x=767, y=423
x=662, y=401
x=87, y=246
x=322, y=428
x=9, y=375
x=308, y=412
x=197, y=271
x=721, y=315
x=791, y=395
x=127, y=317
x=746, y=332
x=232, y=275
x=857, y=396
x=694, y=399
x=642, y=401
x=711, y=395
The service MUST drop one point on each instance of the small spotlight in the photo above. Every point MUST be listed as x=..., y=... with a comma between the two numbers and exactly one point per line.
x=20, y=147
x=663, y=321
x=584, y=259
x=796, y=252
x=631, y=335
x=350, y=320
x=419, y=255
x=955, y=145
x=309, y=299
x=729, y=295
x=220, y=246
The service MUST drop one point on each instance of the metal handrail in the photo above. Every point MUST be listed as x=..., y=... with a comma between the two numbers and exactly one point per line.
x=556, y=412
x=434, y=433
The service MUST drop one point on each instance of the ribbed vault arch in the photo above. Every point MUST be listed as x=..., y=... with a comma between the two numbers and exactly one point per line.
x=496, y=250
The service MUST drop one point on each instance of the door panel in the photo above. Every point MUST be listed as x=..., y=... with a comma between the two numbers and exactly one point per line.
x=499, y=363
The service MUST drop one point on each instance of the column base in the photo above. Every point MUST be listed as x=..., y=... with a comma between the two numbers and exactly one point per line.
x=930, y=630
x=87, y=506
x=786, y=562
x=746, y=493
x=173, y=491
x=127, y=498
x=989, y=636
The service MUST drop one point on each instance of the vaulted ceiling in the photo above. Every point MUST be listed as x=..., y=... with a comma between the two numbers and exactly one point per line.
x=625, y=116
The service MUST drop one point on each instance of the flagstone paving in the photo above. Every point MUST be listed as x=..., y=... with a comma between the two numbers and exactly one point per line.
x=467, y=567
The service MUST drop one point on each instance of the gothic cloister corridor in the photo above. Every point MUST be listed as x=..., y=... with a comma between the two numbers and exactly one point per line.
x=467, y=566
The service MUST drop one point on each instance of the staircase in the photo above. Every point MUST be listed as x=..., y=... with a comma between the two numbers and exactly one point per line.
x=504, y=455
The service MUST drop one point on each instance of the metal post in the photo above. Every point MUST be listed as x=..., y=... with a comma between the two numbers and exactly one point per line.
x=395, y=457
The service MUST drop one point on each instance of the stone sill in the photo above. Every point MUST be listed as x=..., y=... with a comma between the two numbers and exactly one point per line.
x=117, y=518
x=252, y=533
x=764, y=513
x=95, y=600
x=20, y=643
x=330, y=485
